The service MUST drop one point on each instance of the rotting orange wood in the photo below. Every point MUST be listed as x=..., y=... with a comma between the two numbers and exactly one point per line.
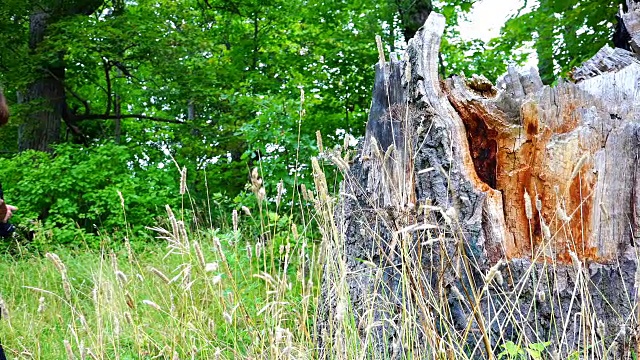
x=542, y=152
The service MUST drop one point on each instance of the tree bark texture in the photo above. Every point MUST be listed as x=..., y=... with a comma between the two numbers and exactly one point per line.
x=47, y=94
x=475, y=214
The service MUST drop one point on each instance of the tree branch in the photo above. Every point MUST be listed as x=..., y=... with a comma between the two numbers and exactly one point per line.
x=107, y=75
x=86, y=117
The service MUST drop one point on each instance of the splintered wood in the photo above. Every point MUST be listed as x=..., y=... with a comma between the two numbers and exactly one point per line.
x=572, y=148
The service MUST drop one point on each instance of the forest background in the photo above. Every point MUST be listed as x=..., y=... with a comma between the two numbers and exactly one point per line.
x=110, y=94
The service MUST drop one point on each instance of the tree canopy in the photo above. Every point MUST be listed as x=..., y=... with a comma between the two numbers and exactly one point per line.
x=221, y=86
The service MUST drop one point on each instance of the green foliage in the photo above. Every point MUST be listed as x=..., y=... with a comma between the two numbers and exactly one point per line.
x=232, y=73
x=467, y=57
x=564, y=34
x=75, y=191
x=513, y=351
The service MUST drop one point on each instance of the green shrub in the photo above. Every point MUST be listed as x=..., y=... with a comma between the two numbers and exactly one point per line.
x=74, y=191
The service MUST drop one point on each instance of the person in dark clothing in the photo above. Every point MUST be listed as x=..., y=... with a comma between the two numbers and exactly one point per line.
x=6, y=211
x=4, y=110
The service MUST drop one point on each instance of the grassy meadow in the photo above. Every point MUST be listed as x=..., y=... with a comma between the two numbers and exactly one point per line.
x=247, y=290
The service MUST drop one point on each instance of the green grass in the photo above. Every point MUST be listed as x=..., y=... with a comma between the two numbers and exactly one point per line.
x=218, y=302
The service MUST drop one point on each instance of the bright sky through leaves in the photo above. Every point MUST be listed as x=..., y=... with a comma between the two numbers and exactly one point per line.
x=487, y=17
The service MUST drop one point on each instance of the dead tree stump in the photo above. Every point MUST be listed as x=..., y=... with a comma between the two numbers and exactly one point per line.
x=475, y=215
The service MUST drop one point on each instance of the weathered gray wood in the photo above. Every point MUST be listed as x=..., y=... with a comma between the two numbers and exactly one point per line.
x=439, y=252
x=605, y=60
x=632, y=24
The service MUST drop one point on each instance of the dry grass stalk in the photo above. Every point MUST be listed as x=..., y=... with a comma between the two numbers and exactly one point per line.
x=280, y=192
x=68, y=349
x=528, y=208
x=319, y=142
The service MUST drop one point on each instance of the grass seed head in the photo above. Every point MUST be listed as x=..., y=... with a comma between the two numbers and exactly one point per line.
x=246, y=210
x=256, y=180
x=66, y=286
x=261, y=194
x=493, y=273
x=579, y=165
x=562, y=215
x=160, y=275
x=234, y=220
x=183, y=180
x=68, y=349
x=151, y=304
x=116, y=326
x=528, y=209
x=121, y=199
x=129, y=300
x=57, y=262
x=210, y=267
x=41, y=305
x=279, y=193
x=456, y=293
x=121, y=277
x=248, y=249
x=319, y=141
x=340, y=311
x=199, y=254
x=227, y=317
x=546, y=232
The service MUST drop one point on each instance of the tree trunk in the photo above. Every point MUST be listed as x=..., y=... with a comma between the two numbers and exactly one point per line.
x=413, y=13
x=477, y=215
x=46, y=95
